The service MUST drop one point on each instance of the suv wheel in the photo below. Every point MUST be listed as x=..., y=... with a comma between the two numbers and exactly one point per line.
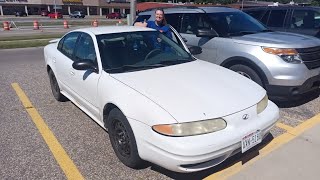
x=247, y=72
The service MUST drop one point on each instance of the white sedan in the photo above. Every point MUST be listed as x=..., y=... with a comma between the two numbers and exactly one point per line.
x=158, y=103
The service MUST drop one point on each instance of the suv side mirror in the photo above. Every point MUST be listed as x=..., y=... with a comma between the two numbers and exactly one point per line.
x=207, y=33
x=85, y=64
x=194, y=50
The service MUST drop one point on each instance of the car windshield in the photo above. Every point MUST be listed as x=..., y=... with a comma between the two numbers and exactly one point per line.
x=235, y=24
x=134, y=51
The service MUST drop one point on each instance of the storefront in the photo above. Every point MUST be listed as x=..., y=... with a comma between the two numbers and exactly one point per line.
x=90, y=7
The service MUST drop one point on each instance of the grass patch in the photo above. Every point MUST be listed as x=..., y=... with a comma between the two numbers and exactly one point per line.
x=23, y=44
x=40, y=36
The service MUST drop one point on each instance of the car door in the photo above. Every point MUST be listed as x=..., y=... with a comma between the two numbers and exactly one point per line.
x=64, y=59
x=84, y=82
x=189, y=26
x=305, y=21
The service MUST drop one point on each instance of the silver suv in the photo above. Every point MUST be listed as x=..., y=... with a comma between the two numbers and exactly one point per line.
x=287, y=65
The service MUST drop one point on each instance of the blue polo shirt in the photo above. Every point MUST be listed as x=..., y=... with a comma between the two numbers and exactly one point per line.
x=165, y=29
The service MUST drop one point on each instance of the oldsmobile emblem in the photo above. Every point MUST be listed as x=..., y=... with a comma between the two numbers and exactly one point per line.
x=245, y=116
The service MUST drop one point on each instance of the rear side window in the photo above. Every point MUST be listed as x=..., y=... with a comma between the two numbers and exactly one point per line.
x=69, y=43
x=142, y=18
x=305, y=19
x=277, y=18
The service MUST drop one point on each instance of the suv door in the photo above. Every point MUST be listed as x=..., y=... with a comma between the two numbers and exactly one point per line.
x=305, y=21
x=189, y=26
x=277, y=19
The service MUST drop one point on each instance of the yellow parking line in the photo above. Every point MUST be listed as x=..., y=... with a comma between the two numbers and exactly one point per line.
x=284, y=126
x=65, y=162
x=273, y=145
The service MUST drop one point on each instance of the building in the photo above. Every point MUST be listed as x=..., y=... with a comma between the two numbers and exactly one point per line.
x=90, y=7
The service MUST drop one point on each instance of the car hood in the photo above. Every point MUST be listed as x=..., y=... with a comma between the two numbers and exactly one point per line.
x=278, y=39
x=196, y=90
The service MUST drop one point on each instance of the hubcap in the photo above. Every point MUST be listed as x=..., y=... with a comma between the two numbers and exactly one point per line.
x=121, y=139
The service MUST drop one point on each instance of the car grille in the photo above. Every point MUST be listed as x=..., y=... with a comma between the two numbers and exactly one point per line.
x=310, y=56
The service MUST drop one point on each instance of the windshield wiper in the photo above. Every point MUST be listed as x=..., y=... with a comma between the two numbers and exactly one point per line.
x=266, y=30
x=175, y=61
x=241, y=33
x=128, y=68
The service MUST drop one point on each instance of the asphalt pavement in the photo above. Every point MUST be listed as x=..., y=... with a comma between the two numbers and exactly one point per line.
x=25, y=155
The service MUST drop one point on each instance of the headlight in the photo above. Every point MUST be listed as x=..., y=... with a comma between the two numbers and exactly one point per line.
x=261, y=106
x=289, y=55
x=191, y=128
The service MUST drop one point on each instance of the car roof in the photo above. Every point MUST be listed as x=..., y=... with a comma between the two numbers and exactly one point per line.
x=112, y=29
x=191, y=10
x=284, y=7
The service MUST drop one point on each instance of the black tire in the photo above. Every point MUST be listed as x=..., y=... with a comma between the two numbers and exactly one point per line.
x=123, y=140
x=247, y=72
x=55, y=88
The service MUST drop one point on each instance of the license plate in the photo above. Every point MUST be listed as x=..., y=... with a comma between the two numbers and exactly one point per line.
x=251, y=140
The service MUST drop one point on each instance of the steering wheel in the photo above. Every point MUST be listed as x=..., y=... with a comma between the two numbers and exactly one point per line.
x=152, y=52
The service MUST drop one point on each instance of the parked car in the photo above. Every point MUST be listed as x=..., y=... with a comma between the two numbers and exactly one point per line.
x=123, y=15
x=44, y=13
x=77, y=14
x=287, y=65
x=114, y=15
x=296, y=19
x=21, y=13
x=54, y=15
x=158, y=102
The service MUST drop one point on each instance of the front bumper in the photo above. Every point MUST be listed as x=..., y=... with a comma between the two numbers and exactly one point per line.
x=310, y=88
x=195, y=153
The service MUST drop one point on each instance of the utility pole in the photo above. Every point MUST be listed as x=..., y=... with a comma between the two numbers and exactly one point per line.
x=133, y=4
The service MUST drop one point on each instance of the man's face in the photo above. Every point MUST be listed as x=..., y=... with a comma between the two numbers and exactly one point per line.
x=159, y=16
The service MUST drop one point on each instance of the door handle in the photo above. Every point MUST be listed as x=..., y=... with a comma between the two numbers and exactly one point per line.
x=184, y=39
x=72, y=73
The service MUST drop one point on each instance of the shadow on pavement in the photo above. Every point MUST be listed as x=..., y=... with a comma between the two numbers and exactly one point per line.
x=243, y=158
x=290, y=104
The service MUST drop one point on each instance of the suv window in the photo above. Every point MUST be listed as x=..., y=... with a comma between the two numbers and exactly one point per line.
x=174, y=20
x=85, y=48
x=68, y=44
x=265, y=17
x=277, y=18
x=142, y=18
x=192, y=22
x=305, y=19
x=256, y=13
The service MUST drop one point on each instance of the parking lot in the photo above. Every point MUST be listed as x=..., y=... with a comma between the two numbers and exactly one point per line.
x=85, y=150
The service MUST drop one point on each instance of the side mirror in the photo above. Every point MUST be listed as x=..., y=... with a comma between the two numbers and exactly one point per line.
x=85, y=64
x=194, y=50
x=207, y=33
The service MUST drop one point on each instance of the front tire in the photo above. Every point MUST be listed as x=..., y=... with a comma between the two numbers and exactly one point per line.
x=247, y=72
x=123, y=140
x=55, y=88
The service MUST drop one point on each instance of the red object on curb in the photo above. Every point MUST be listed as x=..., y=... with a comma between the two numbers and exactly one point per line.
x=6, y=26
x=35, y=25
x=65, y=24
x=95, y=23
